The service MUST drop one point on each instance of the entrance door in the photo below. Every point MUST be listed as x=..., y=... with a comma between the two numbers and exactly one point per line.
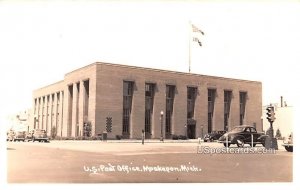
x=191, y=131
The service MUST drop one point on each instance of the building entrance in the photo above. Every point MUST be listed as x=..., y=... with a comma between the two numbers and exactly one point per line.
x=191, y=131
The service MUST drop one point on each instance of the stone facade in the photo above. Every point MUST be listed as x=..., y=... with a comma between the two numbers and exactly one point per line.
x=95, y=93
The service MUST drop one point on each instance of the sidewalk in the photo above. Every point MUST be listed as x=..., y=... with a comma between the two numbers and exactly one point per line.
x=134, y=141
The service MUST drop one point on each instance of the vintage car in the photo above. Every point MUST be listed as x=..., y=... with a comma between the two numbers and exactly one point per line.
x=215, y=135
x=19, y=136
x=241, y=135
x=37, y=135
x=288, y=145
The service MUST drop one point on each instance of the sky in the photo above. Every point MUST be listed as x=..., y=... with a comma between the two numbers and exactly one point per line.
x=40, y=41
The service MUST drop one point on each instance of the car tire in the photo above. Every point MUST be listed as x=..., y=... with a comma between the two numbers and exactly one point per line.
x=226, y=144
x=289, y=148
x=253, y=145
x=240, y=143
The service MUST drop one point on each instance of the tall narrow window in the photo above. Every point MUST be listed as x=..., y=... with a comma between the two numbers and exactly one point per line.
x=35, y=113
x=62, y=114
x=43, y=113
x=243, y=96
x=191, y=98
x=57, y=109
x=227, y=102
x=86, y=98
x=35, y=106
x=170, y=94
x=70, y=109
x=77, y=109
x=149, y=99
x=211, y=103
x=39, y=113
x=52, y=111
x=127, y=104
x=47, y=113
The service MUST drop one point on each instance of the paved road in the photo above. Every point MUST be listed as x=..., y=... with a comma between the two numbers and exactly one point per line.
x=97, y=162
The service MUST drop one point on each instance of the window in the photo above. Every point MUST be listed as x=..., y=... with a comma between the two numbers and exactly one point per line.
x=149, y=97
x=86, y=99
x=211, y=103
x=247, y=130
x=243, y=96
x=35, y=105
x=253, y=130
x=43, y=112
x=191, y=98
x=70, y=109
x=170, y=94
x=227, y=102
x=127, y=103
x=211, y=100
x=52, y=111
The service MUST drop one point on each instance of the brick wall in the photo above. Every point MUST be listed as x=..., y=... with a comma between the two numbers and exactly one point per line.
x=106, y=99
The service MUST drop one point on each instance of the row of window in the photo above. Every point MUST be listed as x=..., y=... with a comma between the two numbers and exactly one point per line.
x=41, y=116
x=128, y=90
x=76, y=87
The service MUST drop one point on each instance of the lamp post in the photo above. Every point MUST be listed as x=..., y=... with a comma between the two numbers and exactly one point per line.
x=161, y=125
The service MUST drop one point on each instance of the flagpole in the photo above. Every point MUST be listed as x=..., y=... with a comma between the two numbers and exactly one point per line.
x=190, y=26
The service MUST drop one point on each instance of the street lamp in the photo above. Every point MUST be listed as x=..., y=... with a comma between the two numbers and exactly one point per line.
x=161, y=125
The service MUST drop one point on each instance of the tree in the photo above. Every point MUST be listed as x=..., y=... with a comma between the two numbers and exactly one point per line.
x=278, y=134
x=53, y=132
x=87, y=129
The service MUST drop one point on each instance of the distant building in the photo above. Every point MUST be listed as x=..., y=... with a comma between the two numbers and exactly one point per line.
x=20, y=121
x=131, y=99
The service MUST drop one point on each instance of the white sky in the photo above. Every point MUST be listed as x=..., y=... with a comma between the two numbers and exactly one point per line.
x=40, y=42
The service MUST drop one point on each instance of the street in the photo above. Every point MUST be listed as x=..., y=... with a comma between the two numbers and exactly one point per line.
x=103, y=162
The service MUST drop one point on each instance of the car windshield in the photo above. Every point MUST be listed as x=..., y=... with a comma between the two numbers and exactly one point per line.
x=238, y=129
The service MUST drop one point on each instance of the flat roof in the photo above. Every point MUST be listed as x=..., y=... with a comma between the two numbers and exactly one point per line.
x=169, y=71
x=149, y=69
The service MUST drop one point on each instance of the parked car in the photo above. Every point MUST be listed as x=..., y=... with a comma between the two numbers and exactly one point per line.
x=19, y=136
x=288, y=145
x=215, y=135
x=241, y=135
x=37, y=135
x=10, y=135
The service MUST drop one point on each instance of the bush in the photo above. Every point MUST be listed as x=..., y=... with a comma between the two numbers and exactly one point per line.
x=70, y=138
x=182, y=137
x=79, y=138
x=174, y=137
x=119, y=137
x=95, y=138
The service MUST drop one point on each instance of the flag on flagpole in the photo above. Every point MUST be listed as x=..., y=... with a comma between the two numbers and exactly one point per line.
x=195, y=39
x=195, y=29
x=195, y=36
